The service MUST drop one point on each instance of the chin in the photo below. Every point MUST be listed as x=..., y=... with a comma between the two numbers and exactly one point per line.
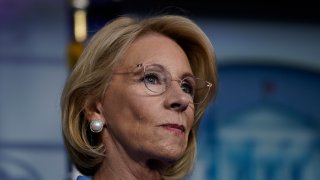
x=173, y=149
x=172, y=154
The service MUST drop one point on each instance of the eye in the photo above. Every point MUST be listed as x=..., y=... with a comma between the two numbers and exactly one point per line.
x=151, y=78
x=187, y=87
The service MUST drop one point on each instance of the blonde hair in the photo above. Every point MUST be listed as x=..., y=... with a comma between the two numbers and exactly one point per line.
x=93, y=71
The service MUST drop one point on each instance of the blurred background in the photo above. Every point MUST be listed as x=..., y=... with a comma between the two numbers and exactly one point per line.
x=264, y=124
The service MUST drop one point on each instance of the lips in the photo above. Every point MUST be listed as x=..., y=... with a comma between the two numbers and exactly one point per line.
x=176, y=128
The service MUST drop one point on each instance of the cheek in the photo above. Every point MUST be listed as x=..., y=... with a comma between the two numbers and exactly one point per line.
x=121, y=100
x=190, y=117
x=125, y=109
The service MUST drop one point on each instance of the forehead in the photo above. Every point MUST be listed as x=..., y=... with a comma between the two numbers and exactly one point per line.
x=154, y=48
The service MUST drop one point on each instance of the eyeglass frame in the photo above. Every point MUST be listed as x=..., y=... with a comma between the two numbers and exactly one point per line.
x=207, y=83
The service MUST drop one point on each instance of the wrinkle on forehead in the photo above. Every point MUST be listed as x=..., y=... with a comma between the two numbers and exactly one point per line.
x=156, y=48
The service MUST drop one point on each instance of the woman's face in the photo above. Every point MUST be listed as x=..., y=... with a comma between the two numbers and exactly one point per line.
x=143, y=124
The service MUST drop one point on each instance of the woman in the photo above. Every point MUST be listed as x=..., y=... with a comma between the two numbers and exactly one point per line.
x=133, y=102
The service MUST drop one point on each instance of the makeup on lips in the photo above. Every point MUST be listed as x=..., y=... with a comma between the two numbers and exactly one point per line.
x=175, y=128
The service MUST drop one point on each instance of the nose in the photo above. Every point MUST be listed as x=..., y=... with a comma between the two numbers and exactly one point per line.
x=176, y=99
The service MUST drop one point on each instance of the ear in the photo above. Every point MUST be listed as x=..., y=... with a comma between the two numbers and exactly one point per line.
x=93, y=110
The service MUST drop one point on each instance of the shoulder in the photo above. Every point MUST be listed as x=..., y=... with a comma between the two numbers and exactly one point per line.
x=83, y=178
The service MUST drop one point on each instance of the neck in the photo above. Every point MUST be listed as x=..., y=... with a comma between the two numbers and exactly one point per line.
x=120, y=165
x=125, y=171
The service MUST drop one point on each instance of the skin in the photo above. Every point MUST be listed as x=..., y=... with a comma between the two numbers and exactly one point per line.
x=138, y=144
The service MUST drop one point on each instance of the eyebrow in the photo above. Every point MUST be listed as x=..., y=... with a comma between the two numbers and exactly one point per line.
x=186, y=74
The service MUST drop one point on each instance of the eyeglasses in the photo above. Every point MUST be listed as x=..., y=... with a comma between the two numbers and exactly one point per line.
x=158, y=80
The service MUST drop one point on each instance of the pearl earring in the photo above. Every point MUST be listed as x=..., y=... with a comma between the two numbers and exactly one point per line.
x=96, y=125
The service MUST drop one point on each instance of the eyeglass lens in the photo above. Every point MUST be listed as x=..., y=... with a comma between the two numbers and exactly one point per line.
x=157, y=79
